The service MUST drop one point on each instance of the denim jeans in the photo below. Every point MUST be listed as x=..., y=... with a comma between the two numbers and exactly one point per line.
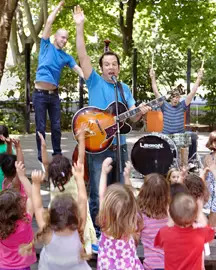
x=94, y=165
x=43, y=103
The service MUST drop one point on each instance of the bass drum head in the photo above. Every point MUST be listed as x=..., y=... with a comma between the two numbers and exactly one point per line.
x=152, y=154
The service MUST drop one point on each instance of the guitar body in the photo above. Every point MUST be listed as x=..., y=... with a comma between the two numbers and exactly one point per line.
x=100, y=126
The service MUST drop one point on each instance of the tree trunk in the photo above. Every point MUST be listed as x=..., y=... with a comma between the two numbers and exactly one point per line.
x=7, y=8
x=126, y=25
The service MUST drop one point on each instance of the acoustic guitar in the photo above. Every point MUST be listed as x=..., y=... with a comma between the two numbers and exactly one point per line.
x=100, y=125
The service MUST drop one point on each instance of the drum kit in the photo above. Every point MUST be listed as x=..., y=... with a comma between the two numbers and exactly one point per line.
x=157, y=152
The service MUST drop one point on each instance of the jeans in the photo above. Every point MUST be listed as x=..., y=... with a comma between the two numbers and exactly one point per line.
x=193, y=146
x=94, y=165
x=42, y=103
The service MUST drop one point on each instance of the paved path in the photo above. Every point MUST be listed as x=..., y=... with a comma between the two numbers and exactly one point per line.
x=68, y=143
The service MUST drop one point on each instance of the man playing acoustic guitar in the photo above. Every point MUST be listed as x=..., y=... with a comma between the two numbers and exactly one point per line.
x=101, y=93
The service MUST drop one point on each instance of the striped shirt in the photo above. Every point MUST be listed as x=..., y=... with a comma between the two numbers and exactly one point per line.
x=154, y=257
x=173, y=117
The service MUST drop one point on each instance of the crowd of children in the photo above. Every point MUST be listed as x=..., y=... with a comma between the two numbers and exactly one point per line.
x=171, y=217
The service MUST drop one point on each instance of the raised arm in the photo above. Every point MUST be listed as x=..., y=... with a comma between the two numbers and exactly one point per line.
x=20, y=169
x=154, y=84
x=84, y=59
x=78, y=172
x=19, y=151
x=195, y=87
x=44, y=155
x=37, y=179
x=106, y=168
x=50, y=20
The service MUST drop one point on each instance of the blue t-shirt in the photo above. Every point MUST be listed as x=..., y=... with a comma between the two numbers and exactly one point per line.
x=51, y=62
x=102, y=93
x=173, y=117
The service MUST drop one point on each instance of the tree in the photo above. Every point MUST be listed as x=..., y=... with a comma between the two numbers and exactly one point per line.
x=35, y=13
x=7, y=9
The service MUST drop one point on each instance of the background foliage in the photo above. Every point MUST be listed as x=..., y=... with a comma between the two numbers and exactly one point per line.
x=163, y=28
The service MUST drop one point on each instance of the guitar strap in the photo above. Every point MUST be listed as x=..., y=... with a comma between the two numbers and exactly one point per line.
x=122, y=93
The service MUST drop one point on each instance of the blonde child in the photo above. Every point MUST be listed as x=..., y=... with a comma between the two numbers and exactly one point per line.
x=59, y=172
x=173, y=176
x=61, y=230
x=16, y=225
x=153, y=201
x=119, y=219
x=183, y=244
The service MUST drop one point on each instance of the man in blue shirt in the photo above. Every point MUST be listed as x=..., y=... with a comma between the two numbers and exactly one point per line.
x=101, y=93
x=173, y=112
x=45, y=98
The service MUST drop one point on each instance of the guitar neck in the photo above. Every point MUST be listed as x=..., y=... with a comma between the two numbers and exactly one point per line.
x=131, y=113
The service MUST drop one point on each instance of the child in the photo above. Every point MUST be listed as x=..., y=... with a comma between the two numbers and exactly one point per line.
x=210, y=165
x=62, y=230
x=173, y=176
x=5, y=147
x=59, y=172
x=153, y=201
x=182, y=244
x=119, y=219
x=176, y=188
x=196, y=187
x=7, y=163
x=16, y=225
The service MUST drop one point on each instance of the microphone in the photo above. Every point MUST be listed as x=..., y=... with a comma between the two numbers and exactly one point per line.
x=114, y=79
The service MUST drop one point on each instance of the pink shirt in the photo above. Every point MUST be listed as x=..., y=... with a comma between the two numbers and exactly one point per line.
x=154, y=257
x=9, y=256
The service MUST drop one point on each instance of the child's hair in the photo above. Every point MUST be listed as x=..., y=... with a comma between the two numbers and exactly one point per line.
x=196, y=187
x=176, y=188
x=12, y=209
x=211, y=144
x=4, y=132
x=7, y=163
x=63, y=213
x=59, y=171
x=153, y=198
x=119, y=215
x=183, y=209
x=170, y=173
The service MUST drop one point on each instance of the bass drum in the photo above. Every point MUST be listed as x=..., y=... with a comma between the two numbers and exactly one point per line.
x=153, y=153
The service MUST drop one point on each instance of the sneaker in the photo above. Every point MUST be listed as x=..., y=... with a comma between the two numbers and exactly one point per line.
x=95, y=248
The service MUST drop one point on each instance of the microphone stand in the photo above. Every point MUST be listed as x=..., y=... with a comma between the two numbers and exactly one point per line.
x=118, y=152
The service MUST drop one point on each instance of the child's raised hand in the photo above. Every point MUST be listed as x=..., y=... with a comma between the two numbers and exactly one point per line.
x=20, y=169
x=16, y=143
x=78, y=170
x=43, y=142
x=37, y=177
x=106, y=165
x=127, y=171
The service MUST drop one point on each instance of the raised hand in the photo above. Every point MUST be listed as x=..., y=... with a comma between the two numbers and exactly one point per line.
x=78, y=170
x=43, y=142
x=126, y=173
x=106, y=165
x=200, y=73
x=152, y=73
x=37, y=177
x=78, y=15
x=20, y=169
x=16, y=143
